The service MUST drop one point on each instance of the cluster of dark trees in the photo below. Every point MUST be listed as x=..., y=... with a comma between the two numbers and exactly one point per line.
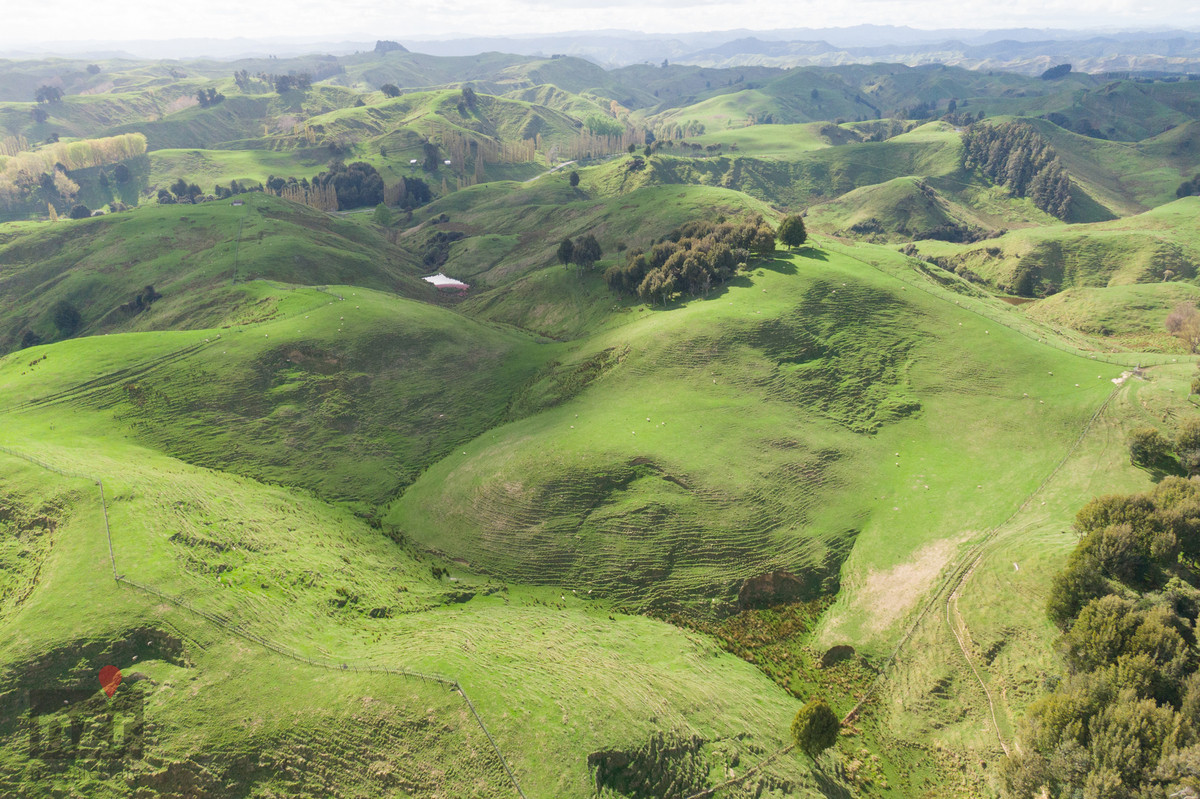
x=1015, y=155
x=142, y=300
x=1054, y=73
x=48, y=94
x=180, y=191
x=583, y=252
x=1125, y=719
x=691, y=258
x=1150, y=448
x=66, y=317
x=222, y=192
x=437, y=247
x=286, y=83
x=209, y=97
x=1082, y=126
x=356, y=185
x=1189, y=188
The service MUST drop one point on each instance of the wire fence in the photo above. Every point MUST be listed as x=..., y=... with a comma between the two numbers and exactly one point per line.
x=226, y=624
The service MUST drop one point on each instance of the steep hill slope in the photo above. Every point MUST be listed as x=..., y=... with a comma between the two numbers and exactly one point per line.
x=198, y=258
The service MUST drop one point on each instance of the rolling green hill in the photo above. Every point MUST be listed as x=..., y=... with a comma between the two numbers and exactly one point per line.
x=1034, y=261
x=206, y=261
x=369, y=539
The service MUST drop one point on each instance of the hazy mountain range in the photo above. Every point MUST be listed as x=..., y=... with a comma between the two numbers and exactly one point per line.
x=1025, y=49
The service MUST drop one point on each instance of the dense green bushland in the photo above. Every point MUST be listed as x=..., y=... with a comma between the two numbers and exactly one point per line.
x=1124, y=721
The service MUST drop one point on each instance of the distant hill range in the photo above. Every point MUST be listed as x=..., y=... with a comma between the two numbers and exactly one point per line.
x=1026, y=50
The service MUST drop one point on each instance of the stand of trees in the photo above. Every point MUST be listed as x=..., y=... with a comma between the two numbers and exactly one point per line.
x=691, y=258
x=1016, y=156
x=208, y=97
x=48, y=94
x=286, y=83
x=350, y=186
x=583, y=252
x=1189, y=188
x=1124, y=721
x=37, y=177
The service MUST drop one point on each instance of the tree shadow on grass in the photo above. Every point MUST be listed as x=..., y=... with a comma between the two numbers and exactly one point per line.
x=827, y=784
x=1162, y=468
x=776, y=265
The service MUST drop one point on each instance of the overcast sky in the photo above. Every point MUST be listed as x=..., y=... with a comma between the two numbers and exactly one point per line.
x=31, y=21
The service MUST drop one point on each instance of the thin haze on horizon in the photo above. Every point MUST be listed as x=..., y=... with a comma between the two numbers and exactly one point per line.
x=367, y=20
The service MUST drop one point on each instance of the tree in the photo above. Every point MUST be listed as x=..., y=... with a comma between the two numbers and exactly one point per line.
x=1073, y=588
x=763, y=244
x=382, y=217
x=66, y=318
x=93, y=69
x=792, y=232
x=80, y=212
x=1187, y=445
x=49, y=94
x=815, y=727
x=1147, y=446
x=121, y=173
x=587, y=252
x=566, y=251
x=390, y=90
x=1054, y=73
x=573, y=179
x=1184, y=324
x=632, y=148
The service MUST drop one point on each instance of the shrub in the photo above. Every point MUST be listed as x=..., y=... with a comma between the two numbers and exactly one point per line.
x=815, y=727
x=1147, y=447
x=66, y=318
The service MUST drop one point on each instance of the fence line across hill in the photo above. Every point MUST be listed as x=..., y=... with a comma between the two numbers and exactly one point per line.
x=228, y=626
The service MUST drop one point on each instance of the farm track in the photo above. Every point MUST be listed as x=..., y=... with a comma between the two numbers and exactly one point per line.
x=950, y=585
x=108, y=380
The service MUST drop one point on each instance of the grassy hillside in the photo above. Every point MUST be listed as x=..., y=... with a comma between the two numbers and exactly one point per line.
x=278, y=567
x=1127, y=178
x=199, y=258
x=636, y=536
x=1117, y=110
x=898, y=209
x=806, y=175
x=1129, y=316
x=821, y=338
x=536, y=216
x=1034, y=261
